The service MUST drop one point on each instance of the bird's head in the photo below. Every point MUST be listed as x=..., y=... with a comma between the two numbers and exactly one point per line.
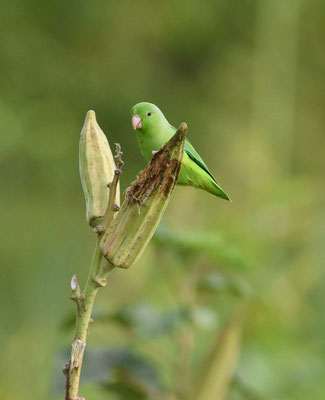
x=147, y=116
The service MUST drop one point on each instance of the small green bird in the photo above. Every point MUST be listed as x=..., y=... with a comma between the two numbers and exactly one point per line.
x=153, y=131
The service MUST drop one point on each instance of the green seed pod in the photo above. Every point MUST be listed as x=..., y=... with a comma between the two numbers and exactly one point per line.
x=145, y=202
x=97, y=166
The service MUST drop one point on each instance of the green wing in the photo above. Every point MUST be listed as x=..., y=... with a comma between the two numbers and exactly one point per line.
x=194, y=156
x=190, y=149
x=211, y=186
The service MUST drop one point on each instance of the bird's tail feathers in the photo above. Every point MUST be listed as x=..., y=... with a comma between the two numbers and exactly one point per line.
x=214, y=188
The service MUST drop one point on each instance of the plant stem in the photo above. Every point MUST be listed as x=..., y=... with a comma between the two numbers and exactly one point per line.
x=85, y=301
x=100, y=267
x=98, y=272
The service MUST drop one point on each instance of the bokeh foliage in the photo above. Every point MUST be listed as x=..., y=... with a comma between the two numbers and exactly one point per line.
x=248, y=78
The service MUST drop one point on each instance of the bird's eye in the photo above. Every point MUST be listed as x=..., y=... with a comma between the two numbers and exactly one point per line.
x=149, y=113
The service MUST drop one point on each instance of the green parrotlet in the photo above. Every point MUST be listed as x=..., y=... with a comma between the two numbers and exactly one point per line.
x=153, y=131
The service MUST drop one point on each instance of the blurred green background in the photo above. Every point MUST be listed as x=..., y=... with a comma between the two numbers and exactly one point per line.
x=248, y=78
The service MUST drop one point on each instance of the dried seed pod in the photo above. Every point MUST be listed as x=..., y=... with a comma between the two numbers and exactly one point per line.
x=145, y=202
x=97, y=166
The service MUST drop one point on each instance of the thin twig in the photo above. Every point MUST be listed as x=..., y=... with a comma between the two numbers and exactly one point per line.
x=112, y=207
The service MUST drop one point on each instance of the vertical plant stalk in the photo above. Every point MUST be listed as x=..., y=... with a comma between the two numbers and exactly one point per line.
x=97, y=278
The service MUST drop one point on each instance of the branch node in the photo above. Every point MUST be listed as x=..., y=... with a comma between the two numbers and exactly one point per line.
x=65, y=369
x=116, y=208
x=118, y=157
x=80, y=300
x=100, y=282
x=99, y=229
x=77, y=352
x=77, y=296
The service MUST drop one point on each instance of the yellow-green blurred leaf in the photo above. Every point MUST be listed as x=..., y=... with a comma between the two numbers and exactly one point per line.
x=218, y=369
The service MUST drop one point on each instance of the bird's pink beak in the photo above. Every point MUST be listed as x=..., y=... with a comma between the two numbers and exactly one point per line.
x=136, y=121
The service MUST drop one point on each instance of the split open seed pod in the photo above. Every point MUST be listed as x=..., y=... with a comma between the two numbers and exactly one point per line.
x=97, y=166
x=145, y=202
